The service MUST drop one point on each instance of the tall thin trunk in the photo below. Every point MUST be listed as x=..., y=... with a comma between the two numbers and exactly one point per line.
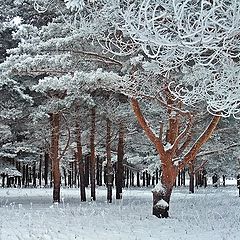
x=27, y=176
x=23, y=175
x=79, y=156
x=70, y=175
x=40, y=172
x=87, y=167
x=120, y=155
x=54, y=148
x=191, y=175
x=109, y=162
x=75, y=173
x=92, y=156
x=143, y=178
x=46, y=163
x=100, y=172
x=34, y=175
x=97, y=170
x=138, y=179
x=179, y=178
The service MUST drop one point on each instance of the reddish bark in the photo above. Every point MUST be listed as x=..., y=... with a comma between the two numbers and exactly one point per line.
x=174, y=137
x=54, y=148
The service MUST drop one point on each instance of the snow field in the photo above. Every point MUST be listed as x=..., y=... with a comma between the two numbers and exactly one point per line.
x=28, y=214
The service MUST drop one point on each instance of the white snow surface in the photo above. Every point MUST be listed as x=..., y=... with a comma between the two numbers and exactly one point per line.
x=162, y=204
x=159, y=188
x=28, y=214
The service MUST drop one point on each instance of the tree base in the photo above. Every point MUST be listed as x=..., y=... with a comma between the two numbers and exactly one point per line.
x=161, y=198
x=161, y=212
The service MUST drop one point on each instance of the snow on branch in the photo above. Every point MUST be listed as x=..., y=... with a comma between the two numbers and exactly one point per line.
x=197, y=39
x=173, y=29
x=219, y=89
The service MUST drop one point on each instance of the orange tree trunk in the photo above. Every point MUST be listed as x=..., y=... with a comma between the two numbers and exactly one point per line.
x=162, y=191
x=54, y=148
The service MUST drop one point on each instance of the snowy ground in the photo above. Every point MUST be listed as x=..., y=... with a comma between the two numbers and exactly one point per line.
x=28, y=214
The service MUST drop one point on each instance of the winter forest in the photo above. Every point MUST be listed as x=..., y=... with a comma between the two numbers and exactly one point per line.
x=119, y=119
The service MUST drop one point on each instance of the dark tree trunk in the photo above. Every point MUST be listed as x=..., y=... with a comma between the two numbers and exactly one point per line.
x=138, y=179
x=8, y=181
x=3, y=180
x=70, y=175
x=97, y=170
x=224, y=180
x=65, y=177
x=79, y=156
x=100, y=172
x=197, y=178
x=157, y=175
x=87, y=163
x=51, y=178
x=34, y=175
x=92, y=156
x=46, y=166
x=132, y=177
x=23, y=175
x=75, y=173
x=18, y=166
x=149, y=179
x=191, y=175
x=183, y=176
x=161, y=201
x=27, y=176
x=191, y=183
x=143, y=179
x=54, y=147
x=109, y=173
x=40, y=172
x=119, y=168
x=127, y=177
x=179, y=178
x=153, y=180
x=205, y=182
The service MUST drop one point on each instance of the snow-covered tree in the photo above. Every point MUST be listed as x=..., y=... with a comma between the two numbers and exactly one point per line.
x=199, y=40
x=179, y=52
